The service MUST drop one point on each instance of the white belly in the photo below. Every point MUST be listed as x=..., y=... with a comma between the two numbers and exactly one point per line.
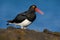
x=26, y=22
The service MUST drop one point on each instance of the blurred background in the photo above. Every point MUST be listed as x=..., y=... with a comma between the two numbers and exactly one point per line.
x=50, y=20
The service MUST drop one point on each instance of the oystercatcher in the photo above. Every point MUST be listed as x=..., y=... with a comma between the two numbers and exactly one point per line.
x=25, y=18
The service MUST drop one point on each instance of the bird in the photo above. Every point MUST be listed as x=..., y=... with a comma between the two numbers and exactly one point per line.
x=24, y=19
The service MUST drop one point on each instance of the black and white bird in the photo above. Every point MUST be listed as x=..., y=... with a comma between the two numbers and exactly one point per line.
x=25, y=18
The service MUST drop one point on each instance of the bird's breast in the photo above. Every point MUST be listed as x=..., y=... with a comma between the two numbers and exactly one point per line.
x=31, y=17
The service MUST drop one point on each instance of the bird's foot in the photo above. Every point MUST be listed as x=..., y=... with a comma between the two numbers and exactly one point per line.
x=23, y=27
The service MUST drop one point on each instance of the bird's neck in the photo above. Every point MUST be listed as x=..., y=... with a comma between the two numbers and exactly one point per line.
x=31, y=11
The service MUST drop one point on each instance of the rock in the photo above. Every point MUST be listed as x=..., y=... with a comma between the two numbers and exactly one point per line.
x=25, y=34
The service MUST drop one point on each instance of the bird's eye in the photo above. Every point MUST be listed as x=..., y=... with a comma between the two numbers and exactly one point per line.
x=33, y=6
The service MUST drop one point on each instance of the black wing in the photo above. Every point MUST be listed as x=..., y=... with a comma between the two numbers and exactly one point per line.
x=20, y=17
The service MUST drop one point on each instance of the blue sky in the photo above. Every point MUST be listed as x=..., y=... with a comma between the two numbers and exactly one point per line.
x=50, y=20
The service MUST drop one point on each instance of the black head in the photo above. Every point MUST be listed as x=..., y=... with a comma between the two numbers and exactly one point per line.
x=32, y=7
x=35, y=9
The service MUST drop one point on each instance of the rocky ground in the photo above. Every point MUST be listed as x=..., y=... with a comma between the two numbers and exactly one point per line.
x=12, y=33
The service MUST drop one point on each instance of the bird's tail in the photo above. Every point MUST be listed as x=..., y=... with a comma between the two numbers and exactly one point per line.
x=9, y=22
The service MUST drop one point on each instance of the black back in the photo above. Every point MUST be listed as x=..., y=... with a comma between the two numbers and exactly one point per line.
x=26, y=15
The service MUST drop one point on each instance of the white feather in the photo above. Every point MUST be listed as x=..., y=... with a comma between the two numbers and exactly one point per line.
x=26, y=22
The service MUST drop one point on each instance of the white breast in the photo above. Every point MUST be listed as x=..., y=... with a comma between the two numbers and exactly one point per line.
x=26, y=22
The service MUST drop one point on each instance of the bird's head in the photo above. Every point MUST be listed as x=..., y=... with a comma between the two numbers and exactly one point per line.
x=34, y=8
